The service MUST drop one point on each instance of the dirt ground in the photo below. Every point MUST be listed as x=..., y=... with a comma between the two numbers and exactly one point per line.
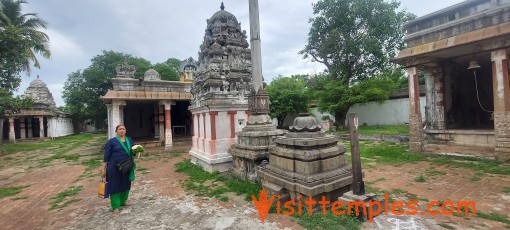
x=159, y=201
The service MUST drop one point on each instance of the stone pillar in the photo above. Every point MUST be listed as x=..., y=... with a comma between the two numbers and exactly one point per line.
x=156, y=122
x=161, y=117
x=205, y=126
x=232, y=115
x=415, y=121
x=41, y=127
x=212, y=116
x=168, y=124
x=22, y=129
x=29, y=126
x=117, y=107
x=12, y=134
x=434, y=84
x=501, y=104
x=256, y=53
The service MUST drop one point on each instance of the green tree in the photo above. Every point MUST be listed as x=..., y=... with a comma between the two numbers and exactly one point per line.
x=288, y=95
x=12, y=57
x=169, y=70
x=11, y=104
x=83, y=88
x=354, y=39
x=29, y=25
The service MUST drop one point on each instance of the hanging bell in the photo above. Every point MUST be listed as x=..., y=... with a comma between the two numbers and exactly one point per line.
x=474, y=65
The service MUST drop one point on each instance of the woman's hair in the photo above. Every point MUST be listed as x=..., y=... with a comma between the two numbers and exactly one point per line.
x=116, y=128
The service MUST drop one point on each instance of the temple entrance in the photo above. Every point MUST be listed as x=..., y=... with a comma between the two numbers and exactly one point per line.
x=472, y=100
x=139, y=120
x=181, y=119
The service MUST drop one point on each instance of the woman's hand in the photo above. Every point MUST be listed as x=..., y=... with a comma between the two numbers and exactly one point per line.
x=103, y=170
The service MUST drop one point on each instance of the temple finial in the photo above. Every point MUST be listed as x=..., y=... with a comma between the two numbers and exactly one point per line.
x=222, y=7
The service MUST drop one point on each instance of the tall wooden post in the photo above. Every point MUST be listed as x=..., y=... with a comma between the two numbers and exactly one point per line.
x=358, y=186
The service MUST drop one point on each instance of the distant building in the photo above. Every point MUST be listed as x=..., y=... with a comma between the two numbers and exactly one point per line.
x=43, y=120
x=462, y=51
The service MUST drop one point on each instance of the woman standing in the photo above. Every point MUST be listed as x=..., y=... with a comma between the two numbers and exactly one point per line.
x=116, y=150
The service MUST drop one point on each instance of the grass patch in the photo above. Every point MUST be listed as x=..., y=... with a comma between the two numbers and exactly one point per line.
x=142, y=170
x=421, y=178
x=431, y=172
x=397, y=191
x=19, y=198
x=506, y=189
x=217, y=184
x=379, y=129
x=59, y=198
x=493, y=216
x=445, y=225
x=473, y=179
x=11, y=191
x=481, y=165
x=224, y=199
x=327, y=222
x=395, y=154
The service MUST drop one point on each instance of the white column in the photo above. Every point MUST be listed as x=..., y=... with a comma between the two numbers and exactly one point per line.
x=41, y=127
x=109, y=108
x=12, y=134
x=117, y=107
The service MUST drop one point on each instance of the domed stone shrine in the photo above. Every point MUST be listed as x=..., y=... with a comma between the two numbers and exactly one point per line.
x=306, y=162
x=43, y=120
x=220, y=88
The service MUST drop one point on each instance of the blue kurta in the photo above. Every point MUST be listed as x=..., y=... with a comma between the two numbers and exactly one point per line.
x=114, y=153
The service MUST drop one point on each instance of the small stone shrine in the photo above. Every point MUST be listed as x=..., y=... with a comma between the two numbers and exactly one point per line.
x=220, y=107
x=306, y=162
x=41, y=121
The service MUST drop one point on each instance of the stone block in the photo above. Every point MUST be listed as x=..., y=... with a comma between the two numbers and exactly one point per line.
x=460, y=39
x=475, y=35
x=504, y=28
x=491, y=31
x=441, y=44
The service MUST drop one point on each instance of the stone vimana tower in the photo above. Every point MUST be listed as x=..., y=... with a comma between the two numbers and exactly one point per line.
x=220, y=89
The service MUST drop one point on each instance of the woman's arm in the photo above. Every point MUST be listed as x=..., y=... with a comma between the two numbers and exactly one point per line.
x=107, y=155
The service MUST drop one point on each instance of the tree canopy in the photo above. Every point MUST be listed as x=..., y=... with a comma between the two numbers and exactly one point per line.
x=355, y=40
x=288, y=95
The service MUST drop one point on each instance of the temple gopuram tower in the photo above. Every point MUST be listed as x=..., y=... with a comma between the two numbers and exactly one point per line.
x=220, y=91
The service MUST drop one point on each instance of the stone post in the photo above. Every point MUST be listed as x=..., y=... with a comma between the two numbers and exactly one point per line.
x=161, y=117
x=156, y=122
x=501, y=104
x=117, y=106
x=29, y=125
x=22, y=129
x=415, y=121
x=358, y=186
x=12, y=134
x=212, y=117
x=41, y=127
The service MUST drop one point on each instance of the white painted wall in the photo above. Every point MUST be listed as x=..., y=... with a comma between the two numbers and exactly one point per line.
x=391, y=112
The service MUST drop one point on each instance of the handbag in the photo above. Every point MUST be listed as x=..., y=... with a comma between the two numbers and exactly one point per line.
x=126, y=165
x=103, y=189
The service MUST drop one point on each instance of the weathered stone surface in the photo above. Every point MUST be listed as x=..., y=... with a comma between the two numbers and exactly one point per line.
x=502, y=130
x=39, y=92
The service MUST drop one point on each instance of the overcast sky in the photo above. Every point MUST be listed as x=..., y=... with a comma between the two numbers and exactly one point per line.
x=159, y=29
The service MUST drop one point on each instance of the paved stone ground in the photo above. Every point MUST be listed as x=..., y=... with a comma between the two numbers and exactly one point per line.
x=160, y=202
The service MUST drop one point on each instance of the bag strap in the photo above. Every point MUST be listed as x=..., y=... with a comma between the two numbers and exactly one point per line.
x=124, y=146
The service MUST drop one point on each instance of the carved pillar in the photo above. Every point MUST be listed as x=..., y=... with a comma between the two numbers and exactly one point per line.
x=198, y=125
x=205, y=126
x=415, y=121
x=41, y=127
x=22, y=129
x=501, y=90
x=30, y=133
x=12, y=134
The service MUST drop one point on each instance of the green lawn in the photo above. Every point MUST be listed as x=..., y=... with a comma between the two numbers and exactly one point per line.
x=379, y=129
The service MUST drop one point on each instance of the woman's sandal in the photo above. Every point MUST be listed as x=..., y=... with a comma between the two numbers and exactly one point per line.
x=116, y=211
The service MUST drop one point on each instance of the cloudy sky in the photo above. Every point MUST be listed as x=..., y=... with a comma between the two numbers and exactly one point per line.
x=159, y=29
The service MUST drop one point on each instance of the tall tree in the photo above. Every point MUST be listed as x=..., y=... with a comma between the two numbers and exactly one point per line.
x=169, y=70
x=29, y=25
x=354, y=39
x=83, y=88
x=288, y=95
